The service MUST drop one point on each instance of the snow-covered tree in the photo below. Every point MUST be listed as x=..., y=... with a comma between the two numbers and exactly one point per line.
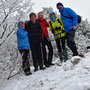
x=46, y=11
x=82, y=36
x=11, y=11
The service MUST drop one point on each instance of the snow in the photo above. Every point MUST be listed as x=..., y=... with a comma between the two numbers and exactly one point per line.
x=65, y=77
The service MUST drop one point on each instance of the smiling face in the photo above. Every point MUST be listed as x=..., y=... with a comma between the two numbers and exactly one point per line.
x=52, y=15
x=40, y=16
x=33, y=18
x=22, y=25
x=59, y=7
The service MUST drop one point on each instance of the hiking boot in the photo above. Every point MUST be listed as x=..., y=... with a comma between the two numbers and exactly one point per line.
x=28, y=73
x=65, y=55
x=61, y=56
x=50, y=59
x=52, y=64
x=36, y=69
x=42, y=68
x=47, y=65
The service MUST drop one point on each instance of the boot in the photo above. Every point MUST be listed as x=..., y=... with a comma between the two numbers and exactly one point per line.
x=36, y=69
x=61, y=56
x=65, y=55
x=42, y=68
x=52, y=64
x=50, y=60
x=41, y=65
x=35, y=64
x=74, y=50
x=27, y=71
x=47, y=65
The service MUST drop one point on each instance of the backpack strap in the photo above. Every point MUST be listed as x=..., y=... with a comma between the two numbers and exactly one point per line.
x=66, y=16
x=51, y=27
x=59, y=21
x=61, y=24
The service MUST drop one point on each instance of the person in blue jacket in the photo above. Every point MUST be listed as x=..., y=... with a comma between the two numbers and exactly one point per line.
x=69, y=19
x=23, y=46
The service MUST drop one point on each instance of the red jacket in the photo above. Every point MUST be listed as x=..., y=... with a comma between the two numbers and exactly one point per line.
x=44, y=25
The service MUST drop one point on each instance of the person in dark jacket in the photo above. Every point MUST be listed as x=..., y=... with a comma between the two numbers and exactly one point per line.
x=69, y=19
x=35, y=33
x=45, y=41
x=23, y=46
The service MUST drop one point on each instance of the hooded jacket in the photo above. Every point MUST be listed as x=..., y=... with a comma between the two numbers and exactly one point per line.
x=68, y=23
x=22, y=38
x=44, y=25
x=59, y=32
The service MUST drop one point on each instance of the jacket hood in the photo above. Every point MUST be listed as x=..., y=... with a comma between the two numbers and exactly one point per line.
x=51, y=12
x=19, y=23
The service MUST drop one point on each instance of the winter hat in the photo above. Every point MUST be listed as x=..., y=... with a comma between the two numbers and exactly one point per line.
x=59, y=4
x=20, y=23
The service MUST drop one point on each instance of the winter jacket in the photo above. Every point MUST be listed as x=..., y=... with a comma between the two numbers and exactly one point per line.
x=22, y=38
x=68, y=23
x=34, y=31
x=57, y=26
x=44, y=25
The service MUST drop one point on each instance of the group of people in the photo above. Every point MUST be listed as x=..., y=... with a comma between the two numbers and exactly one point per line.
x=33, y=35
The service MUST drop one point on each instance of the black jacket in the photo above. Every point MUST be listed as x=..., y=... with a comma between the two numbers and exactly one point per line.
x=34, y=31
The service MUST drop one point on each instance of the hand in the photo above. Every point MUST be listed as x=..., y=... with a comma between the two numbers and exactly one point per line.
x=74, y=27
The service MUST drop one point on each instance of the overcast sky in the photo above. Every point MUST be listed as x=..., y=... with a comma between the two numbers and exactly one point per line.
x=81, y=7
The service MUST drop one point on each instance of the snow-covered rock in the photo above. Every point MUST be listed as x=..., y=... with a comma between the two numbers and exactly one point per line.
x=76, y=77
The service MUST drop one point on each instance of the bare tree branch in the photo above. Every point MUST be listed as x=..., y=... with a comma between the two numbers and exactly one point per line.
x=9, y=34
x=3, y=8
x=4, y=28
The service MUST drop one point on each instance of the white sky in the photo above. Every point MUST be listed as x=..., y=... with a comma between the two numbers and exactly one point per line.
x=81, y=7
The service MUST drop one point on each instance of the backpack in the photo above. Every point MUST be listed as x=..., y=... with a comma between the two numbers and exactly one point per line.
x=79, y=18
x=52, y=27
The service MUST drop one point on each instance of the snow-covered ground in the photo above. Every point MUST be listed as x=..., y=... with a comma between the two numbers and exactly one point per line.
x=65, y=77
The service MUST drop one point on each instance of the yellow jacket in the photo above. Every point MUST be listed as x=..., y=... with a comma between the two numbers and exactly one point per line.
x=57, y=26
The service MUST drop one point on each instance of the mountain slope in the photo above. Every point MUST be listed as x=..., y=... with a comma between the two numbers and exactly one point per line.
x=65, y=77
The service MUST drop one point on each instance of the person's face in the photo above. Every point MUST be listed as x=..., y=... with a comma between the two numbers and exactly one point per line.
x=52, y=15
x=40, y=16
x=33, y=19
x=59, y=7
x=22, y=25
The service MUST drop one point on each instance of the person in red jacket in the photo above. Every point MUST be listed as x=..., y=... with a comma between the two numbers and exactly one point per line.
x=45, y=41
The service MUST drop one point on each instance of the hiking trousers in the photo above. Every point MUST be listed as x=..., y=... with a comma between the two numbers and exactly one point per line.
x=71, y=43
x=47, y=56
x=25, y=57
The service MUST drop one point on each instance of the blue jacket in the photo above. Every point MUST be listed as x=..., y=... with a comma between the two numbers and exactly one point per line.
x=68, y=23
x=22, y=38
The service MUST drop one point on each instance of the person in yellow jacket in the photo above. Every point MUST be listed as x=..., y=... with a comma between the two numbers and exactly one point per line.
x=56, y=27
